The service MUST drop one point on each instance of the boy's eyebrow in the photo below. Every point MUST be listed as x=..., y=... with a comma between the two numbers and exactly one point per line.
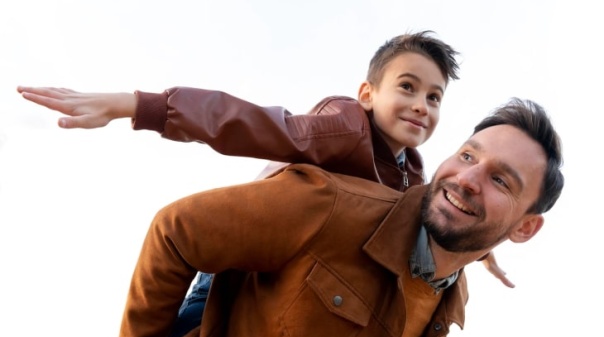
x=415, y=77
x=504, y=166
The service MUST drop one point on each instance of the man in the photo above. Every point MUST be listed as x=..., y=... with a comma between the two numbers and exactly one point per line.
x=311, y=253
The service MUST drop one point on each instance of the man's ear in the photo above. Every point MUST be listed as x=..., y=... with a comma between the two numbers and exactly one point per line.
x=526, y=228
x=364, y=98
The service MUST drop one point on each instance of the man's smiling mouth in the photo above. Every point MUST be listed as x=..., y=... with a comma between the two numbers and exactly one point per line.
x=458, y=204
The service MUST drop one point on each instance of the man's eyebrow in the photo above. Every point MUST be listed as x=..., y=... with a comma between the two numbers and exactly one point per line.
x=415, y=77
x=504, y=166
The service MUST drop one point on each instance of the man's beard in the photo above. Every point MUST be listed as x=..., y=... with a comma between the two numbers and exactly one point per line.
x=463, y=239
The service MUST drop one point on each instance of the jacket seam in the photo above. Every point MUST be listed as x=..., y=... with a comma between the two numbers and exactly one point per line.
x=330, y=135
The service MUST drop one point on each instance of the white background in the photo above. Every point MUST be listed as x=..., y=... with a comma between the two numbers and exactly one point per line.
x=75, y=204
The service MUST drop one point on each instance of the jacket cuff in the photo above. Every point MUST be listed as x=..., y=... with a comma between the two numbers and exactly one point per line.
x=151, y=111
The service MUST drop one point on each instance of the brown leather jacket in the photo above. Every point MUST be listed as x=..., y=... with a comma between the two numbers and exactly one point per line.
x=327, y=260
x=337, y=134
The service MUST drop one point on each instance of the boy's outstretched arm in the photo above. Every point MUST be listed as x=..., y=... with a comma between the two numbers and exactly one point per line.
x=83, y=110
x=491, y=264
x=335, y=136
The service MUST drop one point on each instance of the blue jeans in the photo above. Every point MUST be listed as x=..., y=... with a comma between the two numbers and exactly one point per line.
x=191, y=310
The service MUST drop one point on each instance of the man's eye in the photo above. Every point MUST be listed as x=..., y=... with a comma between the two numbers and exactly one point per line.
x=466, y=156
x=500, y=181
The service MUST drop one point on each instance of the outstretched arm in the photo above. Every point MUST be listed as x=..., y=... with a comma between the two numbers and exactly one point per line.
x=491, y=264
x=335, y=136
x=82, y=110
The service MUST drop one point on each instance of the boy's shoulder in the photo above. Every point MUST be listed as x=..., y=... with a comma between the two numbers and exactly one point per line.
x=336, y=104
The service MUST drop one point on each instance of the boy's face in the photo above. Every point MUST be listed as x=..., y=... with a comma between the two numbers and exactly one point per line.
x=480, y=196
x=406, y=102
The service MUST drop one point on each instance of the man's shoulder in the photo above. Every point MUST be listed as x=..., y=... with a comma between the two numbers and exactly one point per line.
x=350, y=184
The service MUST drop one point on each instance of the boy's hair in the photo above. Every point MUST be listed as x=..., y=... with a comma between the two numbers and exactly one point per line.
x=531, y=118
x=422, y=43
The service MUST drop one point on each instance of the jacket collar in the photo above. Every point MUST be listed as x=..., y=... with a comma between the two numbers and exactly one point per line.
x=385, y=160
x=392, y=243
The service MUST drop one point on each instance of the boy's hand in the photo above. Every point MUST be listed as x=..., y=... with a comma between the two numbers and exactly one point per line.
x=491, y=264
x=85, y=111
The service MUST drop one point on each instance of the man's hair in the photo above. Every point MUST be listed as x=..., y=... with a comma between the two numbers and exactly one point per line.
x=531, y=118
x=421, y=43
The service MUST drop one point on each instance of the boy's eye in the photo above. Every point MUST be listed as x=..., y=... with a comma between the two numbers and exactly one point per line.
x=406, y=86
x=434, y=98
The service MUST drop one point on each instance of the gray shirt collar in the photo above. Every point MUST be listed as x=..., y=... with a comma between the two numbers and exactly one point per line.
x=422, y=264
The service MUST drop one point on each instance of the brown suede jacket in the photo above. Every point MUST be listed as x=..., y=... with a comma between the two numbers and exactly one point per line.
x=327, y=260
x=337, y=134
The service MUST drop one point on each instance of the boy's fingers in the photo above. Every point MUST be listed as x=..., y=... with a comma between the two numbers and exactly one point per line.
x=73, y=123
x=46, y=101
x=66, y=123
x=82, y=122
x=506, y=281
x=65, y=91
x=44, y=91
x=500, y=274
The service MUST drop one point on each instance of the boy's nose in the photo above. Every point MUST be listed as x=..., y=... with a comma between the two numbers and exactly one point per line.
x=420, y=106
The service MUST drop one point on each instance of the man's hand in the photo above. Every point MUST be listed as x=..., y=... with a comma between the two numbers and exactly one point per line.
x=491, y=264
x=86, y=111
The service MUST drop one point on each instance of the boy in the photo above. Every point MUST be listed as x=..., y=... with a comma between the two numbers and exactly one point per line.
x=373, y=137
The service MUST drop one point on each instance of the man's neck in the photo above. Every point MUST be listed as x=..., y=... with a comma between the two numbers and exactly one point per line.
x=449, y=262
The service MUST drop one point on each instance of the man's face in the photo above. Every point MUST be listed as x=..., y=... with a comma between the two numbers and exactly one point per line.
x=479, y=196
x=406, y=102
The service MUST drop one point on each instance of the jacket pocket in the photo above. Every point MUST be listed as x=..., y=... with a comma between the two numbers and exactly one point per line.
x=326, y=306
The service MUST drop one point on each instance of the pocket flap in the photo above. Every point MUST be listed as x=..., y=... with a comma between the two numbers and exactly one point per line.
x=338, y=297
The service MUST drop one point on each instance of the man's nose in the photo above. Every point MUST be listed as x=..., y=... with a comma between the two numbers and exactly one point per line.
x=469, y=178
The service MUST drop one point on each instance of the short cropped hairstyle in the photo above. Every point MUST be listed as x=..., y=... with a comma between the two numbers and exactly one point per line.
x=421, y=43
x=532, y=119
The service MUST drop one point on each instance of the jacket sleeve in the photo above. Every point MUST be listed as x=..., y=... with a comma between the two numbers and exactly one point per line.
x=252, y=227
x=336, y=131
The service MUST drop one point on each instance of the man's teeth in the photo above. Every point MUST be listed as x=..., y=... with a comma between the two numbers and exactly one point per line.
x=458, y=204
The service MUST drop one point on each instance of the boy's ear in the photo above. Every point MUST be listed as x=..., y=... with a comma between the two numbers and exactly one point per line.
x=365, y=96
x=526, y=228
